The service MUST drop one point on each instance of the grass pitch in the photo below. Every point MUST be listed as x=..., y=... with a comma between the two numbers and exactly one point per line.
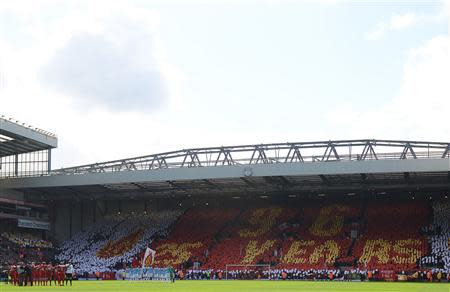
x=233, y=286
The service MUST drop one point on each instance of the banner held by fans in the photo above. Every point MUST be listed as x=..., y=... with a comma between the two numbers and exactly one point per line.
x=148, y=252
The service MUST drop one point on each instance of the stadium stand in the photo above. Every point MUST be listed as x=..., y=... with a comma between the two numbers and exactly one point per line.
x=8, y=253
x=439, y=237
x=109, y=243
x=314, y=239
x=23, y=239
x=323, y=237
x=289, y=222
x=311, y=237
x=194, y=236
x=281, y=236
x=251, y=239
x=392, y=239
x=18, y=245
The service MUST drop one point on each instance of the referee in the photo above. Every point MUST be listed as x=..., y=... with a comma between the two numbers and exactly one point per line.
x=69, y=273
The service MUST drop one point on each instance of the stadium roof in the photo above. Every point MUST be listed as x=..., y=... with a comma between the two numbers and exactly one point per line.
x=327, y=166
x=19, y=138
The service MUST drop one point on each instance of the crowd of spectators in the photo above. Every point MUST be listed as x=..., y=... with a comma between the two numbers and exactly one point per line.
x=192, y=238
x=392, y=239
x=16, y=245
x=312, y=274
x=114, y=241
x=275, y=235
x=439, y=237
x=327, y=241
x=314, y=237
x=8, y=251
x=23, y=239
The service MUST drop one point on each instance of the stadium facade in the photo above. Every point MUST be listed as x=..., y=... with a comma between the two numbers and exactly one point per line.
x=67, y=201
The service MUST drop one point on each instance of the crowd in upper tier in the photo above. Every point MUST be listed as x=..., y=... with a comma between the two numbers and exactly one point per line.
x=23, y=239
x=15, y=245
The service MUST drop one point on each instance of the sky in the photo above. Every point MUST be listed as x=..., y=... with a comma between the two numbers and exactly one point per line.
x=117, y=79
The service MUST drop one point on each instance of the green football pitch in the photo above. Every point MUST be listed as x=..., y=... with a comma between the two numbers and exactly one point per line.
x=232, y=286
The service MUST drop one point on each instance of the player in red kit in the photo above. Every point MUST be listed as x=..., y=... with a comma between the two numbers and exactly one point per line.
x=63, y=273
x=49, y=274
x=37, y=271
x=34, y=274
x=42, y=278
x=13, y=273
x=55, y=274
x=60, y=274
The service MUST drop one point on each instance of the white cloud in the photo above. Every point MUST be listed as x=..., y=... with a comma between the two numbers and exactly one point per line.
x=447, y=13
x=402, y=21
x=67, y=32
x=420, y=109
x=115, y=68
x=378, y=32
x=95, y=133
x=397, y=22
x=447, y=6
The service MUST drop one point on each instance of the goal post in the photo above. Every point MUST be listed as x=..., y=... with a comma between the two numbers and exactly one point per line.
x=257, y=270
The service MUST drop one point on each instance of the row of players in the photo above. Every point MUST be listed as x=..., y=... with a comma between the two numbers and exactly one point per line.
x=40, y=274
